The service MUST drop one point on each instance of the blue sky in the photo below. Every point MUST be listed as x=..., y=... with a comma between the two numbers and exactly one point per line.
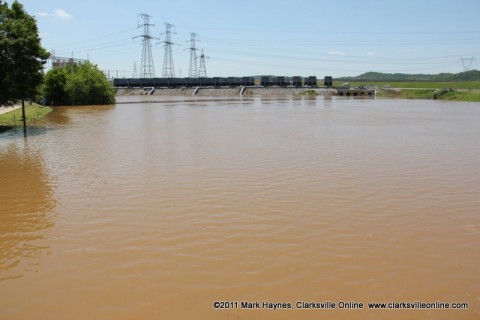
x=252, y=37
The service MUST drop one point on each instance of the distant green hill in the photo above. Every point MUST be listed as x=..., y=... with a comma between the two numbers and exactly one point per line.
x=472, y=75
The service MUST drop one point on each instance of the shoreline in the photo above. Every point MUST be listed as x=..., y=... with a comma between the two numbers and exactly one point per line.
x=225, y=92
x=383, y=93
x=33, y=112
x=446, y=94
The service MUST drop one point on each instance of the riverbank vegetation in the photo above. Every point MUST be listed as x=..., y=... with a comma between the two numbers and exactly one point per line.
x=77, y=84
x=309, y=92
x=439, y=94
x=21, y=55
x=22, y=60
x=458, y=91
x=466, y=76
x=33, y=113
x=465, y=85
x=462, y=86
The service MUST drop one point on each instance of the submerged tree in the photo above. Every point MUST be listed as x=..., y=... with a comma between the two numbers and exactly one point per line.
x=21, y=54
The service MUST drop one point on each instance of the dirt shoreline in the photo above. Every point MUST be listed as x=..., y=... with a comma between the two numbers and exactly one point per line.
x=223, y=92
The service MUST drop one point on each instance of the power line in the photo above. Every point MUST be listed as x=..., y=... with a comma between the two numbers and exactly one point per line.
x=108, y=35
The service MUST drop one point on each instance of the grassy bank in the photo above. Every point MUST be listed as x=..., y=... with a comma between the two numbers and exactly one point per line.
x=33, y=113
x=308, y=93
x=467, y=85
x=430, y=94
x=461, y=96
x=458, y=91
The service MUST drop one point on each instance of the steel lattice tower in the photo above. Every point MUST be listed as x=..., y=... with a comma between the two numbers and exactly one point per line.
x=135, y=72
x=192, y=69
x=147, y=69
x=467, y=63
x=168, y=67
x=202, y=71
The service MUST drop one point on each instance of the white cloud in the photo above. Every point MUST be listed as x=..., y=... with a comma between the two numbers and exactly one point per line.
x=371, y=54
x=337, y=53
x=62, y=14
x=59, y=13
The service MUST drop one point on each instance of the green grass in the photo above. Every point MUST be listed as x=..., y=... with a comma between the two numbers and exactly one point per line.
x=33, y=113
x=418, y=94
x=461, y=96
x=467, y=85
x=462, y=91
x=308, y=93
x=430, y=94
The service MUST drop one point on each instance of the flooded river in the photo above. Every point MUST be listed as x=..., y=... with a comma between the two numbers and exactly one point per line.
x=192, y=208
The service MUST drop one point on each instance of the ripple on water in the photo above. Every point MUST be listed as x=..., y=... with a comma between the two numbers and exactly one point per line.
x=142, y=210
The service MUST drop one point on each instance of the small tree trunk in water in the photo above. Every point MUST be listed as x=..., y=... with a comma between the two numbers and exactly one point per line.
x=24, y=119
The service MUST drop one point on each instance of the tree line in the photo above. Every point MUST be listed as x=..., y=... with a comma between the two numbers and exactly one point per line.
x=472, y=75
x=77, y=84
x=22, y=61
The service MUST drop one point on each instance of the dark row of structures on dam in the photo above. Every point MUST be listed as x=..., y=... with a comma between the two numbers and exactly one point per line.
x=241, y=82
x=219, y=82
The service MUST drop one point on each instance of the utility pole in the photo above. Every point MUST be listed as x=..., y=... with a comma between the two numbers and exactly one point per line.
x=168, y=67
x=147, y=69
x=202, y=71
x=192, y=69
x=24, y=119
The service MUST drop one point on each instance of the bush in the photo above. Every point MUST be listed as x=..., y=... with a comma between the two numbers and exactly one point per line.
x=80, y=84
x=54, y=86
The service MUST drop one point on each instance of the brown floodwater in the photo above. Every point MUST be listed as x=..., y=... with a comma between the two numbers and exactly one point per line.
x=157, y=209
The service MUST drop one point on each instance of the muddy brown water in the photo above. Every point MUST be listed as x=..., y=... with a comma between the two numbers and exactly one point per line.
x=158, y=210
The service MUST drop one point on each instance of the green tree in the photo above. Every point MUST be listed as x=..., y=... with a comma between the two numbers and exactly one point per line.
x=21, y=54
x=54, y=86
x=78, y=84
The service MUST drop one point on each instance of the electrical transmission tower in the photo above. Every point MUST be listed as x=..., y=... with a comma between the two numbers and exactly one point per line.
x=192, y=69
x=168, y=68
x=202, y=71
x=135, y=73
x=147, y=69
x=467, y=63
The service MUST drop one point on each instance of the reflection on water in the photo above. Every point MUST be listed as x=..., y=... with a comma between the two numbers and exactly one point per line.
x=159, y=209
x=27, y=198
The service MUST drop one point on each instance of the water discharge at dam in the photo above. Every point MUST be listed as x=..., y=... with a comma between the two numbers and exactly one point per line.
x=174, y=209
